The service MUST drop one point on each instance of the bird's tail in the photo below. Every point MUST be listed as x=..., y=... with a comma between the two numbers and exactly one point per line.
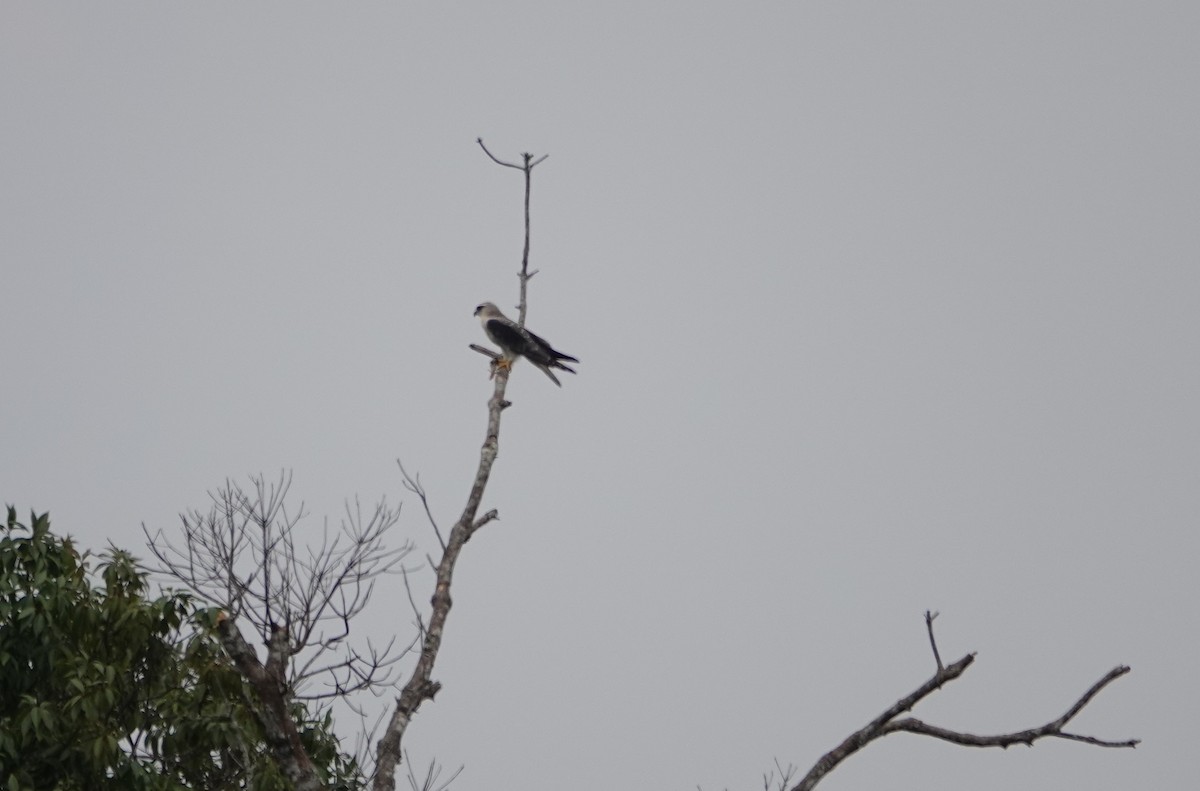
x=546, y=370
x=560, y=356
x=556, y=361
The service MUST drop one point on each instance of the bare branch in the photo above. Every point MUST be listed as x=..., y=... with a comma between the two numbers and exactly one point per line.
x=365, y=737
x=430, y=783
x=1026, y=737
x=242, y=556
x=484, y=350
x=421, y=630
x=778, y=782
x=490, y=516
x=414, y=486
x=529, y=163
x=421, y=686
x=887, y=723
x=524, y=275
x=492, y=157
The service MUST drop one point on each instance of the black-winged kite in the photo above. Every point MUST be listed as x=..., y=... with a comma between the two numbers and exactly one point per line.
x=516, y=341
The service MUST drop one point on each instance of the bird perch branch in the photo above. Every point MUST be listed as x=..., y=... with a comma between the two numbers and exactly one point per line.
x=495, y=355
x=421, y=686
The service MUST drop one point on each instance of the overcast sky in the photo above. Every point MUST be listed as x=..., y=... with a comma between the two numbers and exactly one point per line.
x=882, y=307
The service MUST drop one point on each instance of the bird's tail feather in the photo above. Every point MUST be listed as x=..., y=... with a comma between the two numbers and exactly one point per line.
x=544, y=369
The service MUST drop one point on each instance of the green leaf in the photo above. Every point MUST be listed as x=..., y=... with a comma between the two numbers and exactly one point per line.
x=84, y=662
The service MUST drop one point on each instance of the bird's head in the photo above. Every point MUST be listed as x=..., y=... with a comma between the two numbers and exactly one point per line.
x=488, y=310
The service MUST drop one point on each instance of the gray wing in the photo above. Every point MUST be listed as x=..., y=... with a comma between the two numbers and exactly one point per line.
x=547, y=353
x=508, y=336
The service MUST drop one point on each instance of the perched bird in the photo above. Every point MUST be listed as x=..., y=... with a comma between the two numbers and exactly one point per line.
x=516, y=341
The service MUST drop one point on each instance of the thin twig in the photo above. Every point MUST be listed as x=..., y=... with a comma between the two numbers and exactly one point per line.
x=929, y=616
x=414, y=486
x=479, y=140
x=524, y=275
x=421, y=630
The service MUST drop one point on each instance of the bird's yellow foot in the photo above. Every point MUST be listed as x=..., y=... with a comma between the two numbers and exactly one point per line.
x=497, y=364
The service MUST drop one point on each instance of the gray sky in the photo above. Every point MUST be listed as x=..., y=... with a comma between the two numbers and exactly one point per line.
x=882, y=307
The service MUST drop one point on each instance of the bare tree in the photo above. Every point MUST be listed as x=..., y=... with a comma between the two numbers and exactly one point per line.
x=241, y=557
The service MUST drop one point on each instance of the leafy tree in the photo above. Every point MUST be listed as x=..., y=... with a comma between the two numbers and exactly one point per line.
x=103, y=687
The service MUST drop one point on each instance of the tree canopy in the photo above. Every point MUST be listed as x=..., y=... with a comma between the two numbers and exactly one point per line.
x=103, y=686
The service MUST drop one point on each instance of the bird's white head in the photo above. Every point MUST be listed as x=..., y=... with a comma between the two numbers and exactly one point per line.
x=488, y=310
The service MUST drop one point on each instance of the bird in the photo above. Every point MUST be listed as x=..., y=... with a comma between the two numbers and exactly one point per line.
x=516, y=341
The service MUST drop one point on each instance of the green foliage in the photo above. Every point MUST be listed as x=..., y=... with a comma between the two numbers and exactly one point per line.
x=106, y=688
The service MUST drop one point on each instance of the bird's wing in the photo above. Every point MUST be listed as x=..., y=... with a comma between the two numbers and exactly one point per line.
x=507, y=335
x=550, y=352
